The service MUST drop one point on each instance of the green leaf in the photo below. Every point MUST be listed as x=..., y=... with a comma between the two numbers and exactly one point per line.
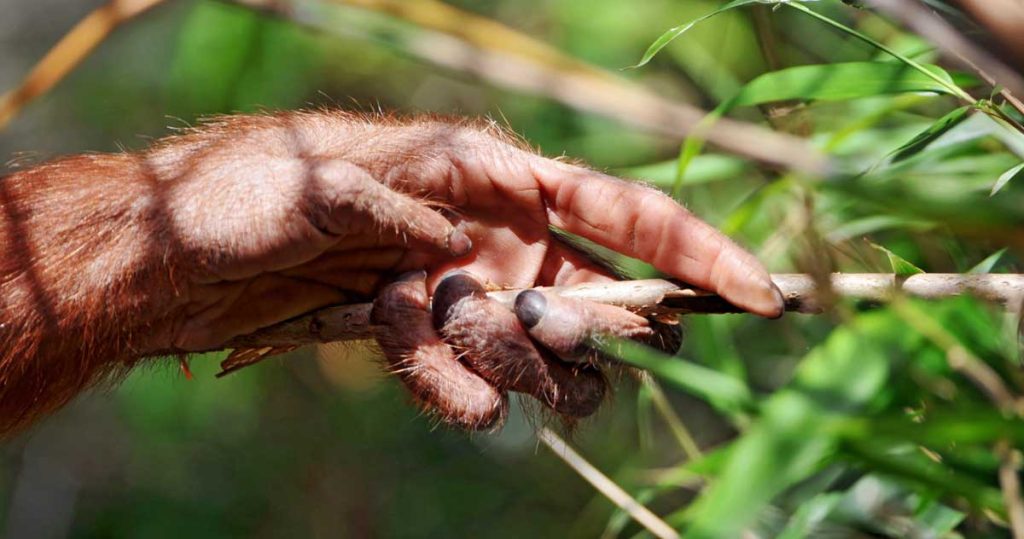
x=838, y=82
x=726, y=393
x=926, y=137
x=798, y=431
x=704, y=169
x=900, y=266
x=985, y=266
x=1006, y=177
x=810, y=514
x=819, y=82
x=673, y=33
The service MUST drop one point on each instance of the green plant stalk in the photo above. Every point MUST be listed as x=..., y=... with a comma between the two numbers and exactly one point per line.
x=954, y=89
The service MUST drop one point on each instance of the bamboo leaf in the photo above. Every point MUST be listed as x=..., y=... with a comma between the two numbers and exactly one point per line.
x=672, y=33
x=985, y=266
x=724, y=392
x=838, y=82
x=926, y=137
x=819, y=82
x=1006, y=178
x=797, y=431
x=900, y=266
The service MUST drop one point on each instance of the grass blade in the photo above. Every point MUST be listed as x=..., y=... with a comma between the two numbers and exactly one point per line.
x=672, y=33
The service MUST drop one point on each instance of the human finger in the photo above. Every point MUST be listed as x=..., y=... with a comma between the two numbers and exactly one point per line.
x=647, y=224
x=571, y=327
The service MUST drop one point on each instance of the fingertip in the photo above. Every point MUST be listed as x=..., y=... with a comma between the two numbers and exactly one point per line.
x=453, y=287
x=530, y=307
x=458, y=243
x=775, y=304
x=763, y=299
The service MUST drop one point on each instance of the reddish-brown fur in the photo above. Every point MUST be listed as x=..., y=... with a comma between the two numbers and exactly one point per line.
x=496, y=348
x=427, y=366
x=72, y=256
x=92, y=277
x=104, y=259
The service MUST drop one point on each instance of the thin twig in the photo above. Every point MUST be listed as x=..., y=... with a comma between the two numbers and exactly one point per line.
x=654, y=296
x=1009, y=481
x=606, y=486
x=74, y=47
x=674, y=422
x=468, y=43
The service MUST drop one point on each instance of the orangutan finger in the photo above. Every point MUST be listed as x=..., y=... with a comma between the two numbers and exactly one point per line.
x=569, y=327
x=493, y=343
x=346, y=189
x=426, y=365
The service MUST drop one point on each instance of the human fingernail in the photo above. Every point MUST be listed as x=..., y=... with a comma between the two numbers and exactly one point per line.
x=459, y=243
x=780, y=301
x=767, y=300
x=453, y=287
x=530, y=307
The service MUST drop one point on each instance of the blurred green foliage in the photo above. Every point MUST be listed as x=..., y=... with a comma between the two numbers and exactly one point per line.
x=853, y=424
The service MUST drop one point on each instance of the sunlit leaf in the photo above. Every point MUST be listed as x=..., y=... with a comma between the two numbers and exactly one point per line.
x=704, y=169
x=677, y=31
x=985, y=266
x=900, y=266
x=837, y=82
x=810, y=514
x=1006, y=177
x=819, y=82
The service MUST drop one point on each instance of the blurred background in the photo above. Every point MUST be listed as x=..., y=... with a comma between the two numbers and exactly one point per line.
x=319, y=443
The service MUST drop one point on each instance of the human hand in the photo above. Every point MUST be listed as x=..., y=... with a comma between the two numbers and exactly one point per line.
x=293, y=212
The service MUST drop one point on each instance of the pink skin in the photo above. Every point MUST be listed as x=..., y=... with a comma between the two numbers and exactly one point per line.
x=251, y=220
x=502, y=199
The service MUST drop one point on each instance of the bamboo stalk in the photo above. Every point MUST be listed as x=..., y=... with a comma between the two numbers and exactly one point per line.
x=657, y=296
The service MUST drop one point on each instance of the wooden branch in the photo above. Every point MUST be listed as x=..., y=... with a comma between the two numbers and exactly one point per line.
x=656, y=296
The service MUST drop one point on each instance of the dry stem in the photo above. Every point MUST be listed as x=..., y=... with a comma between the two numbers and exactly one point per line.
x=351, y=322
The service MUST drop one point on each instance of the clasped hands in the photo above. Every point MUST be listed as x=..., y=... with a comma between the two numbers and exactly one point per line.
x=322, y=209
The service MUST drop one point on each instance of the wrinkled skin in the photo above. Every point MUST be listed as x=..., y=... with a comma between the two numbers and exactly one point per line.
x=252, y=220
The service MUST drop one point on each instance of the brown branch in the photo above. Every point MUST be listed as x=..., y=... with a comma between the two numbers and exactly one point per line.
x=69, y=52
x=351, y=322
x=955, y=45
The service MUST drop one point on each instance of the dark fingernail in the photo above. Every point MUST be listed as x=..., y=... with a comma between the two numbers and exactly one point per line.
x=530, y=307
x=459, y=243
x=453, y=287
x=409, y=276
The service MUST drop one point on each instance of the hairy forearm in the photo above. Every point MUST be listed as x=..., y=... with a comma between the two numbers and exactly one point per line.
x=106, y=258
x=85, y=278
